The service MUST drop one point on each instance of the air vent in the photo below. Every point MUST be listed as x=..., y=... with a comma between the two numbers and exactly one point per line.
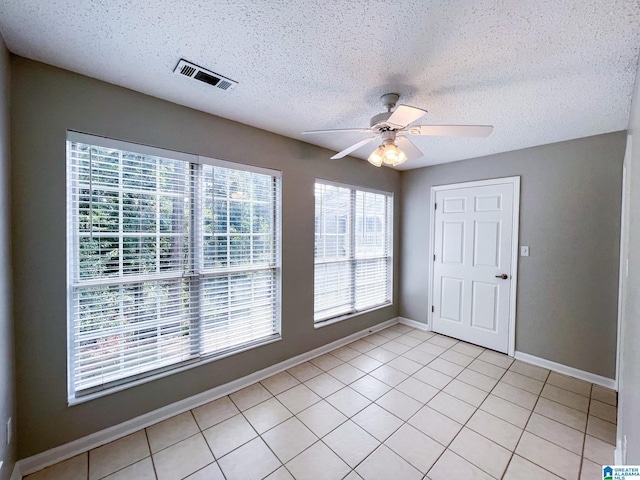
x=192, y=70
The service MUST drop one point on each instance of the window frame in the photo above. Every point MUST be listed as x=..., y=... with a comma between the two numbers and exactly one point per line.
x=352, y=260
x=195, y=239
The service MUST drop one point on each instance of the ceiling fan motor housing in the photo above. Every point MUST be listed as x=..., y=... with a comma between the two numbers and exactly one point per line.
x=388, y=137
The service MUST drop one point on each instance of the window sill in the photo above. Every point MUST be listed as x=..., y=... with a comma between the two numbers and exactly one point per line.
x=331, y=321
x=118, y=388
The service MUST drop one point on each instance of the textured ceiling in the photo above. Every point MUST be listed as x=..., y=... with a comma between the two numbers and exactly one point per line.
x=540, y=71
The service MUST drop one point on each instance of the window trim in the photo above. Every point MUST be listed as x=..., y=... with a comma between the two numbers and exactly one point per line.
x=347, y=316
x=390, y=225
x=178, y=368
x=75, y=398
x=353, y=187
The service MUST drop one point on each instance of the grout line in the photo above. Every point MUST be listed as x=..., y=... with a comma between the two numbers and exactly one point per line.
x=446, y=447
x=215, y=460
x=470, y=417
x=506, y=469
x=173, y=444
x=258, y=435
x=153, y=464
x=394, y=387
x=404, y=422
x=144, y=430
x=586, y=427
x=240, y=412
x=320, y=439
x=533, y=411
x=524, y=429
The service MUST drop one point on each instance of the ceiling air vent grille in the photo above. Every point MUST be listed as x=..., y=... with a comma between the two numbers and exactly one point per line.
x=187, y=70
x=192, y=70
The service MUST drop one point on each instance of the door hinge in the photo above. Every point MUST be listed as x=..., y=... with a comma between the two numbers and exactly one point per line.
x=435, y=206
x=434, y=258
x=433, y=309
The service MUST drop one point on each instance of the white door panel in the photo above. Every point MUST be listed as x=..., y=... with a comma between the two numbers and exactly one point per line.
x=454, y=205
x=473, y=247
x=451, y=299
x=488, y=203
x=484, y=299
x=453, y=243
x=486, y=248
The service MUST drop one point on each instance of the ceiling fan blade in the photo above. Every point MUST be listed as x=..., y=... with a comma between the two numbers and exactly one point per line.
x=451, y=130
x=410, y=150
x=339, y=130
x=403, y=115
x=353, y=147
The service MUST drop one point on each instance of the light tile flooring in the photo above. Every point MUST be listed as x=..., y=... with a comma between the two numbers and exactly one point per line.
x=398, y=404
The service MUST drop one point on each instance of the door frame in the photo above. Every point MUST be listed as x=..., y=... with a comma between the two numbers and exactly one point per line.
x=623, y=273
x=515, y=181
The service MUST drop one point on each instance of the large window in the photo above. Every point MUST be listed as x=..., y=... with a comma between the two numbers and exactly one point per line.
x=173, y=259
x=353, y=246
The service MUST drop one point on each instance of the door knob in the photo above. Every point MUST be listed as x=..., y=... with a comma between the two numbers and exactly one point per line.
x=504, y=276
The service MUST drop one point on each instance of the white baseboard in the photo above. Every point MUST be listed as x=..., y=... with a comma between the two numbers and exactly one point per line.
x=566, y=370
x=42, y=460
x=413, y=323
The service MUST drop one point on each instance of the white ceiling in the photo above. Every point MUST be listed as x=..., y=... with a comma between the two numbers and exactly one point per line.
x=540, y=71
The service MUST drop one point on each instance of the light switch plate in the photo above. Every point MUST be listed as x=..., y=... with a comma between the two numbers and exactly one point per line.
x=524, y=251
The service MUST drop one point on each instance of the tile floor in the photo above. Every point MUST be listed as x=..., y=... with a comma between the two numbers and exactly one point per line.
x=398, y=404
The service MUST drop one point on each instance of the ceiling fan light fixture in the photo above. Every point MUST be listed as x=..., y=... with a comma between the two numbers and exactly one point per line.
x=376, y=157
x=389, y=154
x=400, y=159
x=392, y=155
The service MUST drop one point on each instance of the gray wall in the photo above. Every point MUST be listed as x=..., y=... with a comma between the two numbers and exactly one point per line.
x=47, y=101
x=7, y=379
x=629, y=388
x=570, y=218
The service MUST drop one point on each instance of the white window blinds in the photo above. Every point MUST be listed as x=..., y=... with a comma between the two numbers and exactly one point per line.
x=170, y=261
x=353, y=250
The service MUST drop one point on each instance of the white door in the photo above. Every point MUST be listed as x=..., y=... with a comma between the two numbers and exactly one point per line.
x=472, y=278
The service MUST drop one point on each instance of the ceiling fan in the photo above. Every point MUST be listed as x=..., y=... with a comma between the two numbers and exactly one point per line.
x=392, y=127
